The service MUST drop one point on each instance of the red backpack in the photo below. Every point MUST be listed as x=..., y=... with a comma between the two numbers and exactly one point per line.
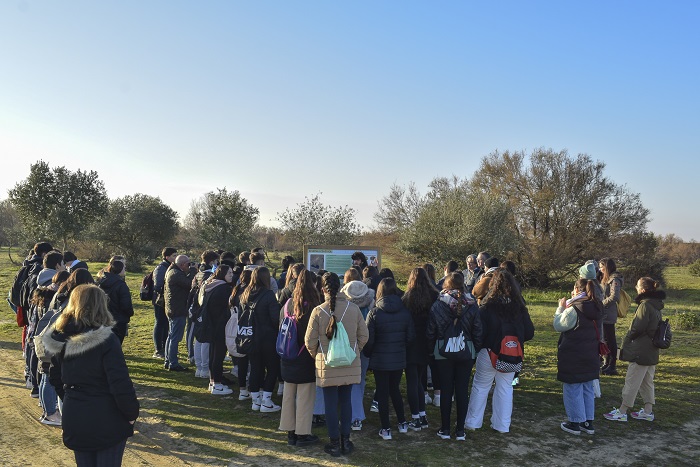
x=509, y=357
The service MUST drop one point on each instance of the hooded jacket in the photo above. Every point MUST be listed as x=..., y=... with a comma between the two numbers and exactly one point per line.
x=442, y=315
x=577, y=349
x=637, y=345
x=218, y=311
x=359, y=294
x=90, y=375
x=391, y=330
x=119, y=296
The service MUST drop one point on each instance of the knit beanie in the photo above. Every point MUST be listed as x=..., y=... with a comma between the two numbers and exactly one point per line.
x=587, y=271
x=354, y=289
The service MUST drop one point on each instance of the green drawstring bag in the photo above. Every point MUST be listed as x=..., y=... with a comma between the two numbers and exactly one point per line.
x=339, y=352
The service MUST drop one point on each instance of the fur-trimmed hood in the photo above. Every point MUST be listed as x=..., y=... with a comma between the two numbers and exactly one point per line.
x=659, y=295
x=76, y=344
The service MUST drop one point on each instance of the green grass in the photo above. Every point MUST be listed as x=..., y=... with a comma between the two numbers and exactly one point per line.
x=189, y=421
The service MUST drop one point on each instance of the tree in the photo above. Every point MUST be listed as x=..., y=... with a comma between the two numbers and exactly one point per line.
x=564, y=209
x=450, y=222
x=399, y=209
x=314, y=223
x=11, y=233
x=223, y=219
x=138, y=227
x=56, y=203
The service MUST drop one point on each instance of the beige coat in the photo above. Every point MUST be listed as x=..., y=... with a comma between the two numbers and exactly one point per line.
x=357, y=333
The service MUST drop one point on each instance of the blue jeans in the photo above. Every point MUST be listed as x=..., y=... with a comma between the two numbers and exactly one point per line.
x=160, y=329
x=319, y=403
x=47, y=395
x=358, y=391
x=334, y=396
x=177, y=330
x=579, y=401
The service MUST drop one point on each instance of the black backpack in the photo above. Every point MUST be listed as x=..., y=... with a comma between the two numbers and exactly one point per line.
x=147, y=285
x=28, y=287
x=662, y=336
x=18, y=281
x=454, y=345
x=246, y=329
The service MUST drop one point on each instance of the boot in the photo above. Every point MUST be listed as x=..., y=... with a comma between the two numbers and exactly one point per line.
x=346, y=446
x=333, y=448
x=291, y=438
x=611, y=369
x=306, y=440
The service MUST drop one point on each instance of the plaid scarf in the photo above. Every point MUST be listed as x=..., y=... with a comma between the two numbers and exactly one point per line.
x=450, y=298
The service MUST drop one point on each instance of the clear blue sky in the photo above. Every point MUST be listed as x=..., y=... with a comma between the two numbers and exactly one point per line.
x=281, y=100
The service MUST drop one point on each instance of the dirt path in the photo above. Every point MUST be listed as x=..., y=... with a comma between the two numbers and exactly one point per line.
x=24, y=441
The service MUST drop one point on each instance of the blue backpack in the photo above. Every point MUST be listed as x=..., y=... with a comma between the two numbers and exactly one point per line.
x=287, y=340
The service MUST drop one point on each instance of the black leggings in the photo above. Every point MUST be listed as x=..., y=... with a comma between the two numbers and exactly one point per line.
x=414, y=388
x=387, y=383
x=454, y=379
x=217, y=353
x=243, y=371
x=264, y=368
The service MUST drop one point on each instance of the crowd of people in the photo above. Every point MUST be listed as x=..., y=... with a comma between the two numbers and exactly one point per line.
x=315, y=336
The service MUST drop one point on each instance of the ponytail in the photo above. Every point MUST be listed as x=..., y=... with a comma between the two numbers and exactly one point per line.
x=331, y=285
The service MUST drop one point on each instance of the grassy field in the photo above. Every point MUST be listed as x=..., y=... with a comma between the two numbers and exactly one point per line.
x=224, y=431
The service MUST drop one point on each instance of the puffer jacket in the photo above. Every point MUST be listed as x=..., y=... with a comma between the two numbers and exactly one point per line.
x=119, y=303
x=267, y=315
x=391, y=330
x=177, y=290
x=577, y=350
x=611, y=293
x=316, y=340
x=637, y=345
x=218, y=311
x=92, y=378
x=441, y=316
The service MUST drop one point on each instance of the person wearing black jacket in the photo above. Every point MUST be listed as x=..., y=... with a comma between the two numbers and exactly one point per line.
x=178, y=280
x=503, y=308
x=454, y=306
x=264, y=361
x=578, y=361
x=90, y=375
x=199, y=351
x=391, y=330
x=119, y=297
x=299, y=374
x=160, y=324
x=216, y=292
x=418, y=299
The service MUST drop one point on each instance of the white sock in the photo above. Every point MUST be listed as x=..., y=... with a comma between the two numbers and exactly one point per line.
x=422, y=414
x=267, y=395
x=254, y=396
x=415, y=417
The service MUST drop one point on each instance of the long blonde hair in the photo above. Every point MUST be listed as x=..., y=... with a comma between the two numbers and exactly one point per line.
x=87, y=308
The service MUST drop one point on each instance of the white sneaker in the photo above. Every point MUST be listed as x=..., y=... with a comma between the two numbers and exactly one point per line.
x=642, y=415
x=256, y=403
x=268, y=406
x=221, y=390
x=52, y=420
x=280, y=389
x=197, y=373
x=428, y=399
x=244, y=395
x=615, y=415
x=204, y=374
x=403, y=427
x=436, y=400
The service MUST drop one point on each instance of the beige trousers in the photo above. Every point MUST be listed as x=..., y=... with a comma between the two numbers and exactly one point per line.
x=298, y=407
x=639, y=379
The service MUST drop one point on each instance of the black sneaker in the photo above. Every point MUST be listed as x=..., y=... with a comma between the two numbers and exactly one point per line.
x=571, y=427
x=35, y=392
x=444, y=434
x=414, y=424
x=177, y=368
x=460, y=436
x=423, y=421
x=587, y=427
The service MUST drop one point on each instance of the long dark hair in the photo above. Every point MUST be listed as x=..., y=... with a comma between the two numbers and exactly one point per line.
x=305, y=296
x=259, y=280
x=420, y=293
x=331, y=285
x=584, y=285
x=240, y=287
x=610, y=268
x=430, y=269
x=76, y=278
x=386, y=287
x=220, y=273
x=502, y=289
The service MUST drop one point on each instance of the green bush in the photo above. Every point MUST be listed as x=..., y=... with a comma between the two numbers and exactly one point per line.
x=686, y=321
x=694, y=268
